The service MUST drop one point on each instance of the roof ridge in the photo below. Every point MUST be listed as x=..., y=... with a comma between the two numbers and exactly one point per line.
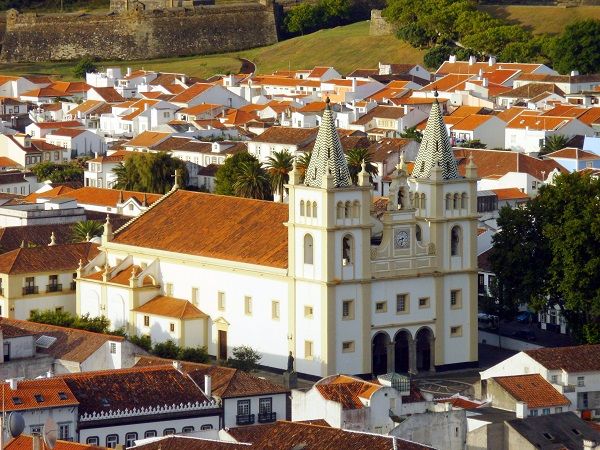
x=160, y=200
x=78, y=330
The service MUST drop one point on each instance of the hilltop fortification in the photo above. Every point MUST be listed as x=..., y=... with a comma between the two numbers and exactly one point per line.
x=141, y=30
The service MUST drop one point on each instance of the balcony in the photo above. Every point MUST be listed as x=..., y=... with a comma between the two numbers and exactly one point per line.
x=54, y=288
x=28, y=290
x=73, y=285
x=244, y=419
x=267, y=417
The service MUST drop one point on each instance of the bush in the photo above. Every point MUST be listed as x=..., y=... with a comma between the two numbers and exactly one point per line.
x=87, y=64
x=194, y=354
x=65, y=319
x=244, y=358
x=142, y=341
x=168, y=350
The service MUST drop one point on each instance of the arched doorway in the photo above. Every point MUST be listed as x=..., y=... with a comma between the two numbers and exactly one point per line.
x=402, y=351
x=379, y=353
x=425, y=359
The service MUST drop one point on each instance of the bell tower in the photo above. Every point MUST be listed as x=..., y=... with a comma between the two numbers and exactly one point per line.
x=329, y=232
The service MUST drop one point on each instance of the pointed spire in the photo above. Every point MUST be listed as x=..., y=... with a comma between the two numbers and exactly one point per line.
x=471, y=169
x=52, y=240
x=327, y=153
x=363, y=176
x=435, y=149
x=108, y=231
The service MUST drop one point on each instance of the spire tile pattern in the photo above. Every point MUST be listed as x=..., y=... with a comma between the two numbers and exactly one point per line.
x=435, y=149
x=327, y=156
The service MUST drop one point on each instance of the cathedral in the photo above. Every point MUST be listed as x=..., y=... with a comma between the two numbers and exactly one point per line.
x=319, y=277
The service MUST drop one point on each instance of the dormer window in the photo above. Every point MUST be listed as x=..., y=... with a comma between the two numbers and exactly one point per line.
x=39, y=398
x=17, y=400
x=62, y=395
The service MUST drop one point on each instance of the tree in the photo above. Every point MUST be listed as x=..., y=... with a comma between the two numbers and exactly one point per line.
x=553, y=143
x=228, y=173
x=68, y=320
x=59, y=173
x=168, y=350
x=302, y=18
x=475, y=143
x=244, y=358
x=143, y=342
x=194, y=354
x=278, y=167
x=149, y=172
x=252, y=181
x=87, y=64
x=578, y=48
x=355, y=158
x=302, y=163
x=412, y=133
x=85, y=230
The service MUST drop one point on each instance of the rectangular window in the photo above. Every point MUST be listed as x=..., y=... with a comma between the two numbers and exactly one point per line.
x=30, y=281
x=146, y=321
x=308, y=349
x=53, y=280
x=265, y=405
x=93, y=440
x=221, y=301
x=63, y=431
x=172, y=327
x=348, y=309
x=248, y=305
x=188, y=429
x=424, y=302
x=558, y=409
x=150, y=434
x=546, y=411
x=308, y=312
x=401, y=304
x=130, y=439
x=195, y=295
x=36, y=429
x=456, y=331
x=112, y=440
x=168, y=431
x=481, y=280
x=243, y=407
x=380, y=307
x=554, y=379
x=348, y=347
x=275, y=310
x=533, y=412
x=580, y=381
x=169, y=289
x=113, y=348
x=455, y=299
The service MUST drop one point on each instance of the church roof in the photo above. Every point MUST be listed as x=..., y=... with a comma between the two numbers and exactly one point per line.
x=328, y=155
x=435, y=149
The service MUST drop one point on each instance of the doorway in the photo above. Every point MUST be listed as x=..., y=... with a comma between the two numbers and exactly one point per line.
x=222, y=345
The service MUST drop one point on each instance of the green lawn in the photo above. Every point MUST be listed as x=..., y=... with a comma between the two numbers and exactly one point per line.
x=543, y=19
x=345, y=48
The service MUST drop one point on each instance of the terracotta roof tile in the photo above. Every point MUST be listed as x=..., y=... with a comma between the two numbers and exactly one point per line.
x=346, y=390
x=224, y=227
x=381, y=112
x=190, y=443
x=462, y=67
x=46, y=258
x=166, y=306
x=581, y=358
x=67, y=132
x=191, y=92
x=108, y=197
x=532, y=389
x=108, y=94
x=573, y=153
x=471, y=123
x=24, y=442
x=548, y=123
x=71, y=344
x=54, y=192
x=510, y=194
x=57, y=125
x=38, y=394
x=287, y=135
x=531, y=90
x=447, y=83
x=147, y=139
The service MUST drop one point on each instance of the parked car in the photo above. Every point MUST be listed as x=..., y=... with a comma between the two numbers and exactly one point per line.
x=527, y=335
x=526, y=317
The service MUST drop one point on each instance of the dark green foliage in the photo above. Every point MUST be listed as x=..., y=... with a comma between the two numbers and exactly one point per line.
x=278, y=167
x=302, y=163
x=194, y=354
x=355, y=158
x=59, y=173
x=228, y=173
x=554, y=143
x=307, y=17
x=412, y=133
x=168, y=350
x=252, y=181
x=548, y=253
x=142, y=341
x=149, y=172
x=244, y=358
x=87, y=64
x=66, y=319
x=475, y=143
x=85, y=230
x=578, y=48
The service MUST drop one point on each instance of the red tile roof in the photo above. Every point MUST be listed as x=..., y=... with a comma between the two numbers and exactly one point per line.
x=191, y=92
x=38, y=394
x=24, y=442
x=532, y=389
x=230, y=228
x=580, y=358
x=510, y=194
x=573, y=153
x=190, y=443
x=46, y=258
x=346, y=390
x=287, y=135
x=108, y=197
x=166, y=306
x=57, y=125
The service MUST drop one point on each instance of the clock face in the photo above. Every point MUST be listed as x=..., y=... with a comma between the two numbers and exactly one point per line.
x=401, y=239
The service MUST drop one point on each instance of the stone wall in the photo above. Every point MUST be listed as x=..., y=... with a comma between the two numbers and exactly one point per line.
x=135, y=34
x=378, y=25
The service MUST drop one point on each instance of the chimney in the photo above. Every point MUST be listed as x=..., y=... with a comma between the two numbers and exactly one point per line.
x=37, y=441
x=521, y=410
x=405, y=109
x=574, y=73
x=128, y=71
x=484, y=82
x=353, y=84
x=177, y=365
x=208, y=386
x=472, y=60
x=452, y=59
x=492, y=61
x=13, y=383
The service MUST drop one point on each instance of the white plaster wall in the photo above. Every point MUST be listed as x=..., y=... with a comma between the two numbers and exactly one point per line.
x=103, y=359
x=38, y=417
x=21, y=347
x=24, y=305
x=518, y=364
x=311, y=405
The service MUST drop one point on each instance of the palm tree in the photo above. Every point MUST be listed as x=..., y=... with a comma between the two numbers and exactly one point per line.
x=85, y=230
x=554, y=143
x=355, y=158
x=302, y=163
x=149, y=172
x=278, y=167
x=252, y=181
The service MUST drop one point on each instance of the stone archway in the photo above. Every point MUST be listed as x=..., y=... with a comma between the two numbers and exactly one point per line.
x=402, y=351
x=425, y=350
x=380, y=353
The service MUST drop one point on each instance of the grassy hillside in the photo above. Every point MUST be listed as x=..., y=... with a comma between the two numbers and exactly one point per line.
x=345, y=48
x=543, y=19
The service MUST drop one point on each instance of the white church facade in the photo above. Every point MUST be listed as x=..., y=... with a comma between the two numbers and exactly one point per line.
x=307, y=277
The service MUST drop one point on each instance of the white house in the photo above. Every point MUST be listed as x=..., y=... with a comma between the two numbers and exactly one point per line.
x=200, y=93
x=574, y=159
x=77, y=142
x=313, y=283
x=100, y=170
x=487, y=129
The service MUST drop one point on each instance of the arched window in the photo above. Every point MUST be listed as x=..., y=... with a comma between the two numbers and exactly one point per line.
x=308, y=209
x=455, y=238
x=301, y=207
x=340, y=210
x=308, y=249
x=423, y=201
x=347, y=249
x=347, y=210
x=418, y=233
x=463, y=201
x=314, y=209
x=455, y=201
x=448, y=201
x=356, y=209
x=401, y=198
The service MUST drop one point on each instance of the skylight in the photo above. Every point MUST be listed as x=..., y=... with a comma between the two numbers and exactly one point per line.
x=62, y=395
x=45, y=341
x=39, y=398
x=17, y=400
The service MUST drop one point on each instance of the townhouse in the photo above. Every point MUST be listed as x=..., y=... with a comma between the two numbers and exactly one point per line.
x=100, y=170
x=77, y=142
x=388, y=121
x=278, y=139
x=574, y=159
